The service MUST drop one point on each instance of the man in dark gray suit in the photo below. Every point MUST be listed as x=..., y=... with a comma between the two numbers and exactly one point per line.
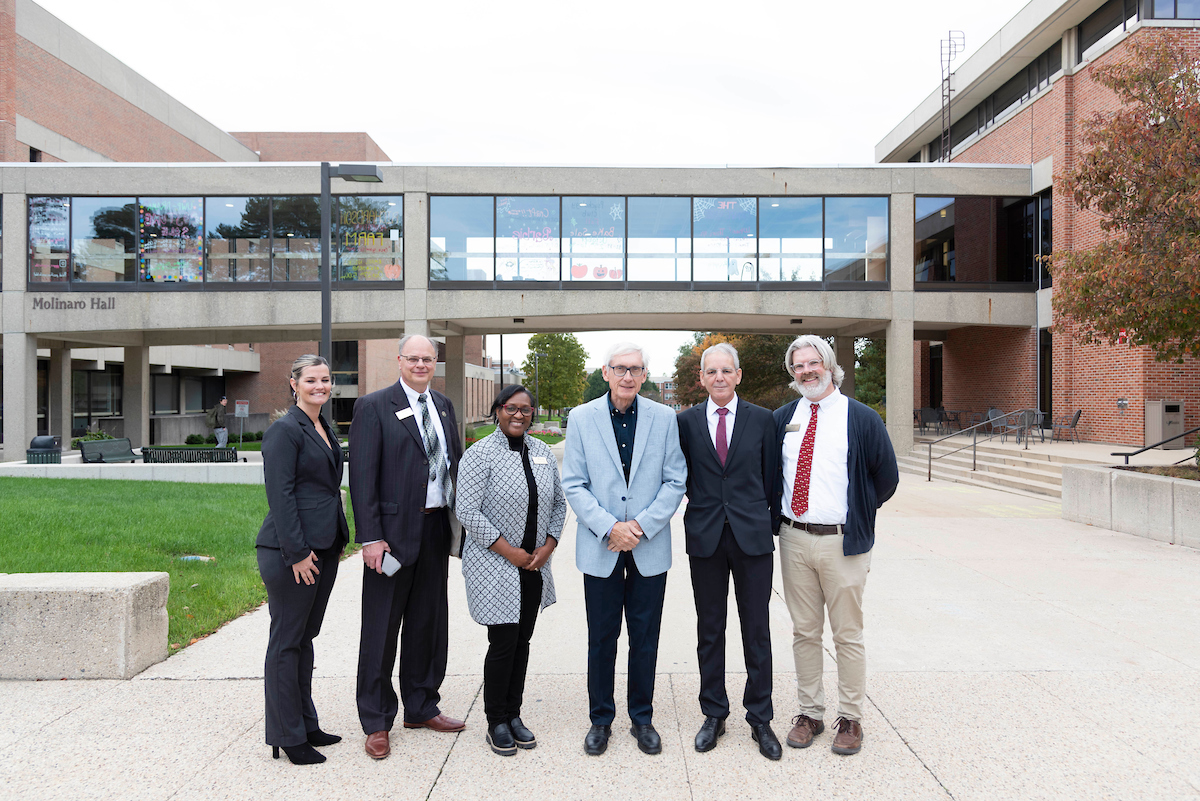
x=404, y=452
x=732, y=457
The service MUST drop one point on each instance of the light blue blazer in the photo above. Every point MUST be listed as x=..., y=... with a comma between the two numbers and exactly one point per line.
x=594, y=483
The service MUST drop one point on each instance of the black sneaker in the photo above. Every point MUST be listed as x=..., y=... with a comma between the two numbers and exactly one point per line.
x=500, y=738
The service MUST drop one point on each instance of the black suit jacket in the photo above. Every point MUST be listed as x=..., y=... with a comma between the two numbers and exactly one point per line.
x=389, y=471
x=304, y=481
x=741, y=491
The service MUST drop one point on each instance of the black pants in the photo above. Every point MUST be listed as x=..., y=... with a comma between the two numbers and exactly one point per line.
x=416, y=598
x=752, y=589
x=641, y=599
x=296, y=614
x=508, y=655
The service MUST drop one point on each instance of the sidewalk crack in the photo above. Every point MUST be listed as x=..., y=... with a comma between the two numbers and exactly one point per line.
x=911, y=750
x=457, y=737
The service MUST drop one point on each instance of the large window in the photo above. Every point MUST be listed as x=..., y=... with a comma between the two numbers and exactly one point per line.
x=296, y=238
x=790, y=239
x=980, y=239
x=660, y=239
x=1177, y=9
x=593, y=238
x=104, y=239
x=239, y=238
x=171, y=234
x=725, y=238
x=370, y=238
x=1106, y=24
x=527, y=234
x=49, y=239
x=462, y=238
x=856, y=238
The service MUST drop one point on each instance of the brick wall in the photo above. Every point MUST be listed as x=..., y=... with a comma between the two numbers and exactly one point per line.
x=8, y=77
x=984, y=367
x=269, y=389
x=920, y=374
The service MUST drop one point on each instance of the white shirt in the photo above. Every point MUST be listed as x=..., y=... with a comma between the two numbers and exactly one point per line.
x=433, y=492
x=713, y=417
x=829, y=481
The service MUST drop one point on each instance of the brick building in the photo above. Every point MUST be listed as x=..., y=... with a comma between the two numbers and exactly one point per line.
x=1021, y=99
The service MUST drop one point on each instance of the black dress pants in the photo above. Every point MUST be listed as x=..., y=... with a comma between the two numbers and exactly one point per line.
x=414, y=597
x=752, y=589
x=507, y=658
x=296, y=614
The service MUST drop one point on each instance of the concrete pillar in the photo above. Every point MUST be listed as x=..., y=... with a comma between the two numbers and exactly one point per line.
x=899, y=388
x=416, y=263
x=135, y=395
x=456, y=381
x=844, y=352
x=61, y=408
x=20, y=388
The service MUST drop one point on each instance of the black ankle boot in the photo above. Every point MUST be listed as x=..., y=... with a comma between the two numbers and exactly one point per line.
x=318, y=737
x=500, y=738
x=303, y=754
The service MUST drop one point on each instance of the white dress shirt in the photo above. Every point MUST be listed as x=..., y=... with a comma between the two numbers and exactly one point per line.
x=433, y=492
x=713, y=417
x=830, y=478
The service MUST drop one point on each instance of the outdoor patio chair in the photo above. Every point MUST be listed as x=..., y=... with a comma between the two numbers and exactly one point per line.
x=1066, y=424
x=930, y=417
x=995, y=418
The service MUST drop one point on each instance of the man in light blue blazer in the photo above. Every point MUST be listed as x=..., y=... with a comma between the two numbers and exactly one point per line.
x=624, y=475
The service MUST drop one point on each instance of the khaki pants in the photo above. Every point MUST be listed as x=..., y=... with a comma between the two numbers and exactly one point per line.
x=816, y=576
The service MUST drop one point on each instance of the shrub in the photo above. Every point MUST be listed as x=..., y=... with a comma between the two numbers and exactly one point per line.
x=234, y=439
x=194, y=439
x=90, y=436
x=211, y=439
x=258, y=436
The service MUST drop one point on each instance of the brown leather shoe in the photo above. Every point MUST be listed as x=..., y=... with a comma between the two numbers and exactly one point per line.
x=378, y=745
x=440, y=723
x=849, y=737
x=804, y=729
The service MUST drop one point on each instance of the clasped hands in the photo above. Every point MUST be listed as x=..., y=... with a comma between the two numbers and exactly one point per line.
x=625, y=536
x=522, y=559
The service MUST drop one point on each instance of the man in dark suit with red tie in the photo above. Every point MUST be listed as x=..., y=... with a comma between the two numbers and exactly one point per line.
x=837, y=468
x=404, y=452
x=732, y=457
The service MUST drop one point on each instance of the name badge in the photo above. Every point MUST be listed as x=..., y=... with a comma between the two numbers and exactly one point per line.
x=539, y=459
x=404, y=414
x=792, y=427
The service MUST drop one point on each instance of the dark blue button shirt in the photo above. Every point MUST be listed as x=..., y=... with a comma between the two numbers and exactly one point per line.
x=624, y=427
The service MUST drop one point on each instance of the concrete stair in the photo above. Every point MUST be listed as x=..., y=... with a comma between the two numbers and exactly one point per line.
x=996, y=467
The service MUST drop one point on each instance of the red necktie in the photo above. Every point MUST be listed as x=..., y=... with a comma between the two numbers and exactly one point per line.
x=722, y=440
x=804, y=466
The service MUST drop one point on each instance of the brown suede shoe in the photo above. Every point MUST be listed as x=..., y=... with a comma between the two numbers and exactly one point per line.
x=804, y=729
x=849, y=737
x=378, y=745
x=440, y=723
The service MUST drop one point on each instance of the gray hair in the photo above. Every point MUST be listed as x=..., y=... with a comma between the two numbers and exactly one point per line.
x=823, y=350
x=721, y=347
x=623, y=348
x=404, y=340
x=303, y=363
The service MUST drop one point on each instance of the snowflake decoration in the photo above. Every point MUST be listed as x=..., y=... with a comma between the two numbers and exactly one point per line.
x=616, y=212
x=699, y=206
x=747, y=204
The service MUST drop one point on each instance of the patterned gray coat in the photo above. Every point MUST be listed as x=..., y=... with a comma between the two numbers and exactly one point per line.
x=492, y=501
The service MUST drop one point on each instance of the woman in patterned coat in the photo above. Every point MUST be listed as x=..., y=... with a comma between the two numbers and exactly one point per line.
x=512, y=509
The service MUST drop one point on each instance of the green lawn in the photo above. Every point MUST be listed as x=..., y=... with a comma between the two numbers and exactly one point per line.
x=482, y=431
x=75, y=525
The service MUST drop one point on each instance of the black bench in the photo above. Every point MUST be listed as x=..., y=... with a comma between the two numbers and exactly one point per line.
x=104, y=451
x=161, y=455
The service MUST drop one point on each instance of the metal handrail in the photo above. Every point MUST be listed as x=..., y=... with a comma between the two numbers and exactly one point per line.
x=1155, y=445
x=974, y=440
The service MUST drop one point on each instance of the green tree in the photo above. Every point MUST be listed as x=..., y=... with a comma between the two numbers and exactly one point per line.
x=596, y=385
x=1141, y=173
x=870, y=371
x=651, y=391
x=560, y=371
x=764, y=381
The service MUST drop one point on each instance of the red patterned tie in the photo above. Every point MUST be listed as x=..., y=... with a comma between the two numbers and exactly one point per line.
x=804, y=466
x=722, y=439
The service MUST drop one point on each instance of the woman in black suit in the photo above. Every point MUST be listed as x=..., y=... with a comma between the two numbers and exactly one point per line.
x=299, y=546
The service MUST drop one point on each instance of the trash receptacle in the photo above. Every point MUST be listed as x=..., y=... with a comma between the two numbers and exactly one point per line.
x=43, y=450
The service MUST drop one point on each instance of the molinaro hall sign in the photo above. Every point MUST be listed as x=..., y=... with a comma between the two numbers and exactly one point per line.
x=56, y=304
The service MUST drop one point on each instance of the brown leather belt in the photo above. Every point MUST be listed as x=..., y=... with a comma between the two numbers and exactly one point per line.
x=431, y=509
x=814, y=528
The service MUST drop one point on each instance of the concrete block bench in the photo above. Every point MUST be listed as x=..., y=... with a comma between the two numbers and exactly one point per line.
x=82, y=625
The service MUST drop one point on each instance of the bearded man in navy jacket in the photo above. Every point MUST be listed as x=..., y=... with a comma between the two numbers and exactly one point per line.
x=837, y=468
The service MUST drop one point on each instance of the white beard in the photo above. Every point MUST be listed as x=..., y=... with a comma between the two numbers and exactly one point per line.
x=817, y=391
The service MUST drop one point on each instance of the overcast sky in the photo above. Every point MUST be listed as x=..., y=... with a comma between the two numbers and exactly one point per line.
x=647, y=83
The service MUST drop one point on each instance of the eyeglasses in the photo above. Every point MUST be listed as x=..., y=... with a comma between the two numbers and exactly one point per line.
x=621, y=370
x=415, y=360
x=807, y=366
x=514, y=409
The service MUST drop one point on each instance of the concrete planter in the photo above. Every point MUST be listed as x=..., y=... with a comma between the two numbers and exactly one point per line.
x=1157, y=507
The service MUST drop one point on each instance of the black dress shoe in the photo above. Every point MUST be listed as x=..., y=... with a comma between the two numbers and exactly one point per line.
x=706, y=738
x=318, y=737
x=596, y=741
x=500, y=739
x=303, y=754
x=768, y=743
x=522, y=734
x=648, y=740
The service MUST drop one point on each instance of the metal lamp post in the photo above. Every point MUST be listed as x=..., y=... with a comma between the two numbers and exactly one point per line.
x=363, y=173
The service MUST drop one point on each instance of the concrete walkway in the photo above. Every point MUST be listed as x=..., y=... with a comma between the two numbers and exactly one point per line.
x=1012, y=655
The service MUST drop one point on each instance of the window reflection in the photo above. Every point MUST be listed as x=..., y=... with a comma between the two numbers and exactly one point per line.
x=461, y=231
x=104, y=239
x=296, y=238
x=370, y=238
x=171, y=234
x=527, y=232
x=660, y=230
x=979, y=239
x=725, y=238
x=593, y=238
x=238, y=238
x=856, y=238
x=789, y=242
x=49, y=237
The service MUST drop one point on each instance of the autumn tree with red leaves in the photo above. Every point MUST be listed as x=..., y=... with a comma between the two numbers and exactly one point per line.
x=1140, y=173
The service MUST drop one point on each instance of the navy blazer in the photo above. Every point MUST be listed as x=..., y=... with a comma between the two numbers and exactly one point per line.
x=389, y=471
x=870, y=464
x=304, y=482
x=741, y=491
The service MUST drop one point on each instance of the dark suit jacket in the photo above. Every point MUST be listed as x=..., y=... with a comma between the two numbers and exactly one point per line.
x=741, y=491
x=389, y=471
x=304, y=481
